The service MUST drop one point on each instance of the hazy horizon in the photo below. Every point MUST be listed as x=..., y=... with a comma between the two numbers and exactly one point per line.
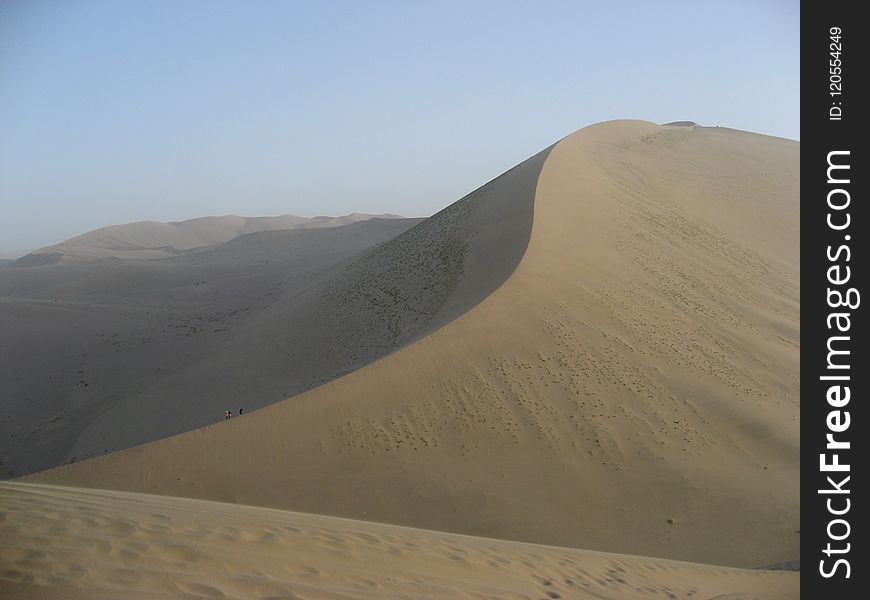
x=113, y=113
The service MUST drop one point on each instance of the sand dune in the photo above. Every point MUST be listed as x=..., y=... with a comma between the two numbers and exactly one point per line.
x=150, y=239
x=145, y=349
x=117, y=337
x=631, y=387
x=75, y=543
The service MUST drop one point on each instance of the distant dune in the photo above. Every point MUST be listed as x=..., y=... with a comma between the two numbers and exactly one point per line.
x=632, y=386
x=135, y=546
x=150, y=239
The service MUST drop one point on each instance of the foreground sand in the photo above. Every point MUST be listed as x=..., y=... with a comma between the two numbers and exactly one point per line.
x=72, y=543
x=632, y=387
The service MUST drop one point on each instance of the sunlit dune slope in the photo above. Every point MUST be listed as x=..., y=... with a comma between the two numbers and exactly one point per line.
x=631, y=387
x=134, y=546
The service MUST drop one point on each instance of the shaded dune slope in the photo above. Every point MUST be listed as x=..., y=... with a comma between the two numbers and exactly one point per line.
x=418, y=281
x=341, y=319
x=185, y=548
x=631, y=387
x=81, y=340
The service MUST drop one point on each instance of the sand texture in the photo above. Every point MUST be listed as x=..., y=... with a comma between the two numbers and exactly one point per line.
x=73, y=543
x=631, y=387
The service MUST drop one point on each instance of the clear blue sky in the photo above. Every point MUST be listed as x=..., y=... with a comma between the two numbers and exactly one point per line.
x=117, y=111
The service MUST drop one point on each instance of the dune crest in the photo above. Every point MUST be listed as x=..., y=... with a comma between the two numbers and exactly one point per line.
x=631, y=387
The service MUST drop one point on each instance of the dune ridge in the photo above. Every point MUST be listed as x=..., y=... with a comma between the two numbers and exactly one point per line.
x=632, y=386
x=183, y=548
x=152, y=239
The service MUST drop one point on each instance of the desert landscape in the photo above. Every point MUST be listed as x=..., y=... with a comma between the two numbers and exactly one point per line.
x=578, y=381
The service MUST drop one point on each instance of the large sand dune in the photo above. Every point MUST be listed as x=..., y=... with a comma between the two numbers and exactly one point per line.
x=143, y=349
x=136, y=546
x=631, y=387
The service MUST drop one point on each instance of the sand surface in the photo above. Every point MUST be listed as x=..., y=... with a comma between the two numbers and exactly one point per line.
x=74, y=543
x=632, y=386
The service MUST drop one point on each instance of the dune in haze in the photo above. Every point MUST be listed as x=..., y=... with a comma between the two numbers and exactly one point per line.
x=632, y=386
x=150, y=239
x=136, y=546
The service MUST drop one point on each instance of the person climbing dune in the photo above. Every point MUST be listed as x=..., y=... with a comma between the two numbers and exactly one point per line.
x=228, y=414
